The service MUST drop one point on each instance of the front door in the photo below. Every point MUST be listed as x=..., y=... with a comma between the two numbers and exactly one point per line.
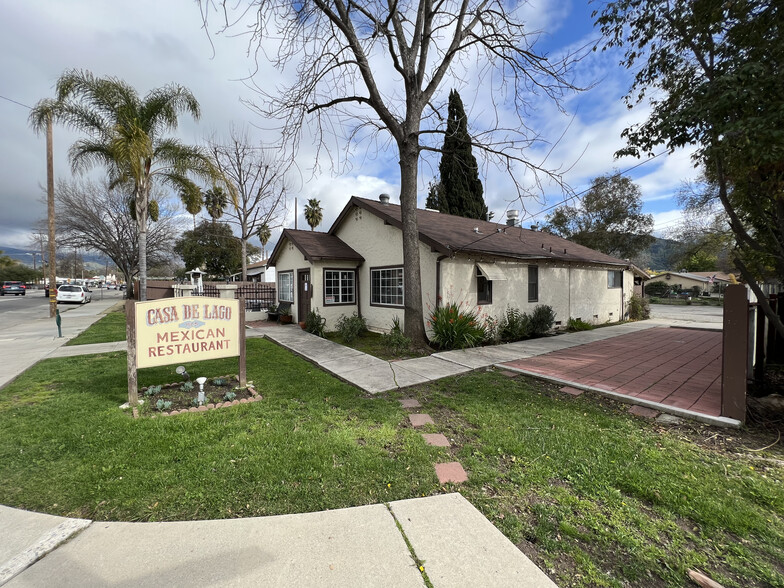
x=304, y=294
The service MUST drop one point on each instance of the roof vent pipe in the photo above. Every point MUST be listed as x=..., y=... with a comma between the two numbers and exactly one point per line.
x=511, y=218
x=383, y=199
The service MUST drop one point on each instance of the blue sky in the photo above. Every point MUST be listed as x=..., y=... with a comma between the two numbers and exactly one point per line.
x=150, y=43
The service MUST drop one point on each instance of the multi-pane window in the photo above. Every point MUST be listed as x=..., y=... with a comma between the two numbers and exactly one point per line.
x=614, y=278
x=386, y=286
x=533, y=283
x=286, y=286
x=339, y=287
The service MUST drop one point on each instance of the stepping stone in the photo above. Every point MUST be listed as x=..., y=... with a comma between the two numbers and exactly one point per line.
x=572, y=391
x=509, y=374
x=669, y=419
x=420, y=420
x=410, y=403
x=436, y=439
x=643, y=411
x=450, y=472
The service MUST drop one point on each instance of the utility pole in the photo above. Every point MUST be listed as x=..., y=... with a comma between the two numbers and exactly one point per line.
x=50, y=211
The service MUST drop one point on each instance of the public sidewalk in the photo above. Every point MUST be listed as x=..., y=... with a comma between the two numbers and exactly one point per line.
x=25, y=343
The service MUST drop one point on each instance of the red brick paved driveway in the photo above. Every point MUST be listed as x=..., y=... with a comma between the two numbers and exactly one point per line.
x=674, y=367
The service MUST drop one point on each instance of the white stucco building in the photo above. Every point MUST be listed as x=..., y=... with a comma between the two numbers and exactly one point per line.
x=357, y=266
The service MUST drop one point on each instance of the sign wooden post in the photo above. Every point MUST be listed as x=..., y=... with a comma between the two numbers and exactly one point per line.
x=179, y=330
x=130, y=335
x=242, y=375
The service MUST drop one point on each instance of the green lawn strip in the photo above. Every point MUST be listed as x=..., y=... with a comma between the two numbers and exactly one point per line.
x=314, y=443
x=107, y=329
x=596, y=497
x=603, y=499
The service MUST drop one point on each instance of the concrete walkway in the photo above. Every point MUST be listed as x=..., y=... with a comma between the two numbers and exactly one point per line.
x=375, y=375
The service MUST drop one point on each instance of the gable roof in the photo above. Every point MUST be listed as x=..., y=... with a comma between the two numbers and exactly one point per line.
x=315, y=246
x=696, y=276
x=451, y=234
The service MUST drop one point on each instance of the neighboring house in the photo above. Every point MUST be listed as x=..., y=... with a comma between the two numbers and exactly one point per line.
x=357, y=266
x=687, y=280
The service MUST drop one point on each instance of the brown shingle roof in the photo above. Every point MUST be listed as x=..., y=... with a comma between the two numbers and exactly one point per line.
x=316, y=246
x=455, y=234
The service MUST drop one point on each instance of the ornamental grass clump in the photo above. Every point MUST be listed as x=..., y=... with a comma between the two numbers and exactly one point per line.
x=395, y=340
x=455, y=328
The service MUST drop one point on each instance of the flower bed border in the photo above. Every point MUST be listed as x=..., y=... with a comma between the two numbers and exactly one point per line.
x=255, y=397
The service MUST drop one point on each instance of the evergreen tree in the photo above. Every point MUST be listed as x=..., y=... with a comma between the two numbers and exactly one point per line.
x=460, y=190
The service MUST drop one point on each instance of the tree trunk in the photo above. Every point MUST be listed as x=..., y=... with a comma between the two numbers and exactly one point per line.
x=414, y=318
x=50, y=212
x=244, y=252
x=141, y=220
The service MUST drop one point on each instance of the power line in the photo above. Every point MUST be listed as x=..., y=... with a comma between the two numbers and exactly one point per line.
x=583, y=192
x=15, y=102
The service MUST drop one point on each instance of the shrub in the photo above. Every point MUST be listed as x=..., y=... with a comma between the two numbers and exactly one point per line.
x=395, y=340
x=575, y=324
x=514, y=325
x=542, y=319
x=314, y=323
x=639, y=309
x=350, y=327
x=658, y=289
x=454, y=328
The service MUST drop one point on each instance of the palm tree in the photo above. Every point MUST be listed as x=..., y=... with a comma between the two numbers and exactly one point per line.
x=264, y=235
x=125, y=134
x=313, y=213
x=193, y=200
x=215, y=201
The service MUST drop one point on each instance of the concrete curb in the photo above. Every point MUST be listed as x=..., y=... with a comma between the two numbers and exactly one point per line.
x=46, y=543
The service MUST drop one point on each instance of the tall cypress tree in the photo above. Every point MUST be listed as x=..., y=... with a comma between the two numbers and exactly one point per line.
x=460, y=187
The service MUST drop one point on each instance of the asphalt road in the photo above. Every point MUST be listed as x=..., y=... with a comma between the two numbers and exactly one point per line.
x=687, y=314
x=15, y=310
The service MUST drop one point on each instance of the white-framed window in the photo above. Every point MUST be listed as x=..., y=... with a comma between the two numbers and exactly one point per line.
x=614, y=278
x=286, y=286
x=533, y=283
x=339, y=286
x=386, y=286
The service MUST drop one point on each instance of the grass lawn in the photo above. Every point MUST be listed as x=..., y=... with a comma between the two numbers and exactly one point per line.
x=594, y=496
x=109, y=328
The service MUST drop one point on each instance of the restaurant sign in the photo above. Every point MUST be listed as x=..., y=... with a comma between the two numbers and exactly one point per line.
x=193, y=328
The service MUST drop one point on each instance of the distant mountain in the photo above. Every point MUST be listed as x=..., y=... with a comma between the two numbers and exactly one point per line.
x=660, y=255
x=25, y=257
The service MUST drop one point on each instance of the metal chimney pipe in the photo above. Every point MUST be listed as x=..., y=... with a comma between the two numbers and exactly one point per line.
x=383, y=199
x=511, y=218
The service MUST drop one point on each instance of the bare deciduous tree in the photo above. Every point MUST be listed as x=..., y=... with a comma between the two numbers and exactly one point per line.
x=260, y=184
x=93, y=216
x=370, y=67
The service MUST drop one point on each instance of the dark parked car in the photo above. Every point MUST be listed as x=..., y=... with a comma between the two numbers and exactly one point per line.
x=46, y=289
x=15, y=288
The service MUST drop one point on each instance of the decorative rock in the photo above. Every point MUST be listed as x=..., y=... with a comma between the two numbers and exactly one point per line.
x=193, y=409
x=243, y=401
x=202, y=409
x=210, y=405
x=235, y=402
x=509, y=373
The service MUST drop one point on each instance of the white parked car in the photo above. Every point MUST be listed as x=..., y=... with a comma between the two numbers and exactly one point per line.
x=73, y=293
